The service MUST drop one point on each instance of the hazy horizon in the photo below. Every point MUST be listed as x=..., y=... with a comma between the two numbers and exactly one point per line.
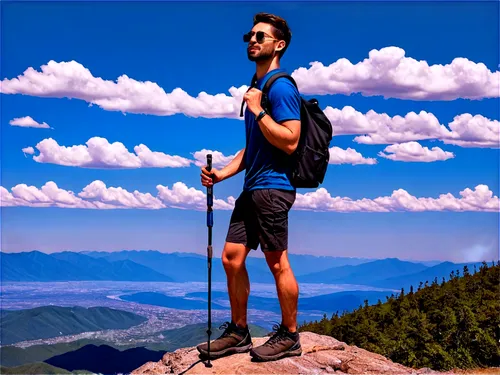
x=477, y=254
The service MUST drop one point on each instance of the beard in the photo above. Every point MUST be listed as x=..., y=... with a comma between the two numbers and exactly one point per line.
x=261, y=54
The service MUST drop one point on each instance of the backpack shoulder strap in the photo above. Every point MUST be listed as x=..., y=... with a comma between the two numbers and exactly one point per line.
x=267, y=87
x=252, y=84
x=273, y=78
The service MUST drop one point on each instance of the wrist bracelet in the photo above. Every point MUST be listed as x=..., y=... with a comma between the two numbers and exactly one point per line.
x=260, y=115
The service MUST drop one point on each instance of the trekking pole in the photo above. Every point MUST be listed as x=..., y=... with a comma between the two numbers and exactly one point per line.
x=210, y=220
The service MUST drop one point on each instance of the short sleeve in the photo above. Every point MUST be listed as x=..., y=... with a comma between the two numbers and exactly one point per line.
x=285, y=101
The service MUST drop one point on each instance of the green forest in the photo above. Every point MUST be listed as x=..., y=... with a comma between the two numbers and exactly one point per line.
x=443, y=325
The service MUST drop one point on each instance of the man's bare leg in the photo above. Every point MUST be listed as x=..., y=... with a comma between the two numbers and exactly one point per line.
x=286, y=286
x=238, y=284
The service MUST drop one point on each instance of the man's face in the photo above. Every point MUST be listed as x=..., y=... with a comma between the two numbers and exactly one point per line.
x=261, y=49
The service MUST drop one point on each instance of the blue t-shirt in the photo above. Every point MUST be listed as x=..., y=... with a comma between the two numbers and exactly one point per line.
x=267, y=168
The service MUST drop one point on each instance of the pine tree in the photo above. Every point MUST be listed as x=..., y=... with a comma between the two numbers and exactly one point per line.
x=466, y=271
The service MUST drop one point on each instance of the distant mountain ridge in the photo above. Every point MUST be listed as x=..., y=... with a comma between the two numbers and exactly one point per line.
x=364, y=274
x=53, y=321
x=67, y=265
x=152, y=265
x=188, y=265
x=429, y=274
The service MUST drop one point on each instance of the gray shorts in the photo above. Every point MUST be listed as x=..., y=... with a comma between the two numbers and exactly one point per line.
x=261, y=217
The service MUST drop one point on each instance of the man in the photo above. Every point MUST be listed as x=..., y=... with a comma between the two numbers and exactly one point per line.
x=260, y=214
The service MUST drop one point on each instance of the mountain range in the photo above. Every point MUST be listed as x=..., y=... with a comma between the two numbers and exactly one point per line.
x=150, y=265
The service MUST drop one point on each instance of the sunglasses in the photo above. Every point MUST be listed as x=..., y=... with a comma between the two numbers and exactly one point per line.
x=259, y=36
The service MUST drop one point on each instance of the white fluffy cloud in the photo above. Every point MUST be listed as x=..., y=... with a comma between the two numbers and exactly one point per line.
x=183, y=197
x=97, y=195
x=349, y=156
x=49, y=195
x=390, y=73
x=465, y=130
x=219, y=160
x=28, y=150
x=413, y=151
x=99, y=153
x=72, y=80
x=97, y=191
x=473, y=131
x=379, y=128
x=28, y=122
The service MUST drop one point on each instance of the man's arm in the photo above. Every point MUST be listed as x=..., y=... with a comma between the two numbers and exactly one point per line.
x=235, y=166
x=284, y=136
x=282, y=130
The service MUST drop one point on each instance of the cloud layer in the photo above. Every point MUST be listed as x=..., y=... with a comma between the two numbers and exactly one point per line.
x=97, y=195
x=479, y=199
x=386, y=72
x=99, y=153
x=72, y=80
x=465, y=130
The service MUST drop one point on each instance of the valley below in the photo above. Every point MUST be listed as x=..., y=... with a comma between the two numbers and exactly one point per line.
x=113, y=294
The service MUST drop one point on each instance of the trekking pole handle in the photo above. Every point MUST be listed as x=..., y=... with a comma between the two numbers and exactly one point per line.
x=209, y=162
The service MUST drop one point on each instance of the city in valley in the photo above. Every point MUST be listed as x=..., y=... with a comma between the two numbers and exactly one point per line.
x=27, y=295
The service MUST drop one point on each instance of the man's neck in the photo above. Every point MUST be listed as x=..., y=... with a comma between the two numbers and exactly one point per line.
x=265, y=67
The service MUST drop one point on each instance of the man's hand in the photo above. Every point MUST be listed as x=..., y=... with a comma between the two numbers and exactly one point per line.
x=253, y=99
x=210, y=178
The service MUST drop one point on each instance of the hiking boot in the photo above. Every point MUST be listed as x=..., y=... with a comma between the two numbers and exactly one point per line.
x=281, y=344
x=233, y=340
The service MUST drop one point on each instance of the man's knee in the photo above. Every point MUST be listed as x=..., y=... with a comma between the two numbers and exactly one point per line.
x=277, y=261
x=234, y=255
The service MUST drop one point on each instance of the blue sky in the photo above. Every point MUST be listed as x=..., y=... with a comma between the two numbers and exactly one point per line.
x=198, y=48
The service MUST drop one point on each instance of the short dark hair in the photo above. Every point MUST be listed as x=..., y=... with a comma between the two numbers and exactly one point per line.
x=279, y=27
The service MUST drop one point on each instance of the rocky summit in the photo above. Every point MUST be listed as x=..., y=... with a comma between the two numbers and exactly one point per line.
x=320, y=355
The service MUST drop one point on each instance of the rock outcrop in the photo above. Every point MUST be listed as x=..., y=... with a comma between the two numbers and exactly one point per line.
x=320, y=355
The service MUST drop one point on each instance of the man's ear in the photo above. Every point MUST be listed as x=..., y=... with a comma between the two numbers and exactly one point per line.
x=280, y=46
